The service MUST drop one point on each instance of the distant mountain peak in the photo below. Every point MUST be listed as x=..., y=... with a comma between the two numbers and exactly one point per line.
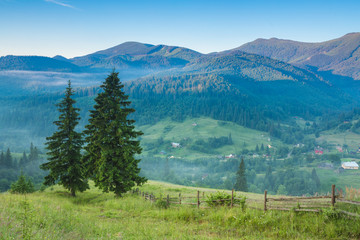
x=138, y=55
x=61, y=58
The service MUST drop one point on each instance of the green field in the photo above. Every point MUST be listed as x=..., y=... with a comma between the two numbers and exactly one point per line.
x=205, y=128
x=53, y=214
x=340, y=138
x=348, y=178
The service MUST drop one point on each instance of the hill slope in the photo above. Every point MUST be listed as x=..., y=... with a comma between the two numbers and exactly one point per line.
x=36, y=63
x=231, y=86
x=340, y=55
x=94, y=215
x=138, y=55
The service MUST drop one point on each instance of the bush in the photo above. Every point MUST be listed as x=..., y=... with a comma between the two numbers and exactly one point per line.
x=161, y=203
x=331, y=214
x=224, y=199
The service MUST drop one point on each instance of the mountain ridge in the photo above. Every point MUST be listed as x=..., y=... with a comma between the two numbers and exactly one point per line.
x=340, y=55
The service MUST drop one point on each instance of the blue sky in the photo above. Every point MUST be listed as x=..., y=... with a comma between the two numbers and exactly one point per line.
x=78, y=27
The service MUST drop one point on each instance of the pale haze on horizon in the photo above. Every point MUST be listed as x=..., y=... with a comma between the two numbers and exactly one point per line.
x=74, y=28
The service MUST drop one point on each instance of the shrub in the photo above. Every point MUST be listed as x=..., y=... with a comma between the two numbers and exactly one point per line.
x=161, y=203
x=331, y=214
x=224, y=199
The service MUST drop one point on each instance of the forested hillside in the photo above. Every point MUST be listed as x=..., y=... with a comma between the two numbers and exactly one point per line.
x=36, y=63
x=338, y=55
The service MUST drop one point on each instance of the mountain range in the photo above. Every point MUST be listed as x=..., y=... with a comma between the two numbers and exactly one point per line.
x=341, y=56
x=255, y=85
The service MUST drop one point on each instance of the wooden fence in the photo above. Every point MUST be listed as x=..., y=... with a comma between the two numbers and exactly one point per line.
x=297, y=204
x=199, y=200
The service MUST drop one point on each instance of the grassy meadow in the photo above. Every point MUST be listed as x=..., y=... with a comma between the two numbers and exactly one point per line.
x=340, y=138
x=201, y=129
x=53, y=214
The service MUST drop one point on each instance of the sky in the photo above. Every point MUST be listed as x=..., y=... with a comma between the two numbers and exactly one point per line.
x=78, y=27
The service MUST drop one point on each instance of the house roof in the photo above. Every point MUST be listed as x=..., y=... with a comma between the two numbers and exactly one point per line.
x=350, y=164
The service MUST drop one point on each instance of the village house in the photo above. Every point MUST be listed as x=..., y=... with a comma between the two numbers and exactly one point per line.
x=319, y=150
x=350, y=165
x=175, y=145
x=230, y=156
x=326, y=165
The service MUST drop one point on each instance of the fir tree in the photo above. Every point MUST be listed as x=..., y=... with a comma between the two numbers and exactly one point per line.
x=31, y=154
x=64, y=148
x=2, y=159
x=8, y=159
x=111, y=143
x=230, y=141
x=241, y=184
x=34, y=153
x=22, y=185
x=269, y=179
x=23, y=160
x=316, y=179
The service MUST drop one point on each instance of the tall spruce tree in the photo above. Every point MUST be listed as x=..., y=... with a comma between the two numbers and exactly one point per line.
x=64, y=148
x=2, y=159
x=316, y=179
x=241, y=184
x=111, y=140
x=23, y=160
x=8, y=161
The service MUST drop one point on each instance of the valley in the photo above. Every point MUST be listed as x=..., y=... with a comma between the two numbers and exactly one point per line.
x=200, y=113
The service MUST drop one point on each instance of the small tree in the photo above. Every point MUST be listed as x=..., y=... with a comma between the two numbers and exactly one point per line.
x=64, y=148
x=111, y=140
x=241, y=184
x=22, y=185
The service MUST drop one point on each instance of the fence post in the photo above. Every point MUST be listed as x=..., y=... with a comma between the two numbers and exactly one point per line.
x=333, y=195
x=232, y=198
x=265, y=200
x=180, y=198
x=168, y=200
x=198, y=199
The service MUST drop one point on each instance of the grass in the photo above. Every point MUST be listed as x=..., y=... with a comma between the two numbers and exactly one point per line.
x=53, y=214
x=341, y=138
x=348, y=178
x=204, y=129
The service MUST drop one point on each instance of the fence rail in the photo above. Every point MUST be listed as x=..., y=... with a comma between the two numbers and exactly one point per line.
x=298, y=204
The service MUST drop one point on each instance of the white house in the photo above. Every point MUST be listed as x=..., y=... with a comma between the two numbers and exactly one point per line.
x=350, y=165
x=175, y=145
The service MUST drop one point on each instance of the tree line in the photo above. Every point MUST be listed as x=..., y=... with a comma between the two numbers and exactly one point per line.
x=11, y=167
